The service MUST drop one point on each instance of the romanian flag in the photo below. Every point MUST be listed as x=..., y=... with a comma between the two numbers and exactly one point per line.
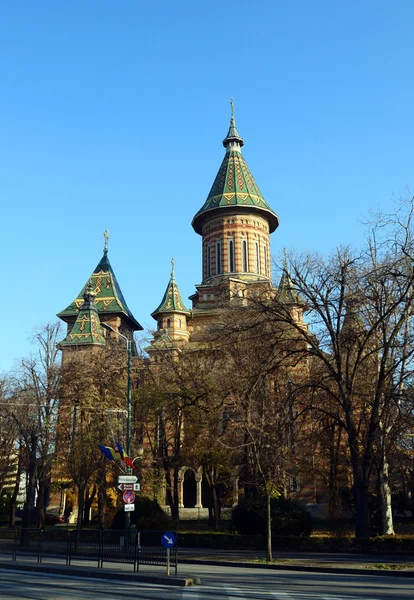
x=128, y=462
x=109, y=452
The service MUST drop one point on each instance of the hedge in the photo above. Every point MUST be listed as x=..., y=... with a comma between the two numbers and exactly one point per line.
x=226, y=541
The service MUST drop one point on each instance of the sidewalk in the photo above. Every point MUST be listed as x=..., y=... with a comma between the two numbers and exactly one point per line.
x=356, y=564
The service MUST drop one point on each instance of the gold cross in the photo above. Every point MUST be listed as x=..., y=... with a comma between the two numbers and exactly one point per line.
x=106, y=236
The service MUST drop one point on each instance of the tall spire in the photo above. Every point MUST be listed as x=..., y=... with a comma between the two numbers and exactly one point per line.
x=234, y=186
x=287, y=289
x=233, y=139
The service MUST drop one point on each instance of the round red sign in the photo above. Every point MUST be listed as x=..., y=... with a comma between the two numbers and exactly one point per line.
x=129, y=497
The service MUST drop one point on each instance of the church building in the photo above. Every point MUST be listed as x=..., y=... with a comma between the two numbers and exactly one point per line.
x=235, y=223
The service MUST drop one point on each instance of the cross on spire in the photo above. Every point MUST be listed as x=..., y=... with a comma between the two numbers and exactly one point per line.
x=106, y=236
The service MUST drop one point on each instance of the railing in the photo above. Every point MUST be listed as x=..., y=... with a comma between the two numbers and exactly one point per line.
x=130, y=547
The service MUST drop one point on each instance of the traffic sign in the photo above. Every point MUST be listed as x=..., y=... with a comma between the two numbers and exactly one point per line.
x=134, y=487
x=129, y=497
x=127, y=478
x=168, y=539
x=129, y=507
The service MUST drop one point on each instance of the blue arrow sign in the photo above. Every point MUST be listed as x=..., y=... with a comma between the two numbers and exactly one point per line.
x=168, y=539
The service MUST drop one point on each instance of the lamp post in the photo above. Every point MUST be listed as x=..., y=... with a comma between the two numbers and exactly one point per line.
x=128, y=428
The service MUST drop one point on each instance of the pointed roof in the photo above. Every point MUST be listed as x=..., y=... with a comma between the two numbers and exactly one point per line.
x=287, y=289
x=108, y=296
x=234, y=185
x=87, y=329
x=171, y=301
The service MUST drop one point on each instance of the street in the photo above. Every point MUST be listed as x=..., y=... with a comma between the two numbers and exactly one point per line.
x=217, y=583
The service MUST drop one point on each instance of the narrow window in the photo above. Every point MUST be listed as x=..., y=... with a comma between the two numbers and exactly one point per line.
x=209, y=260
x=231, y=256
x=256, y=257
x=266, y=263
x=168, y=322
x=218, y=258
x=179, y=323
x=245, y=256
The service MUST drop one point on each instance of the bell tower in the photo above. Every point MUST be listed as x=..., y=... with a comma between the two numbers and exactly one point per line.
x=235, y=223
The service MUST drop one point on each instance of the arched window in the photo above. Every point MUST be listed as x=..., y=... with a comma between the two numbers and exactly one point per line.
x=231, y=256
x=168, y=322
x=266, y=261
x=218, y=257
x=256, y=257
x=179, y=323
x=245, y=256
x=208, y=265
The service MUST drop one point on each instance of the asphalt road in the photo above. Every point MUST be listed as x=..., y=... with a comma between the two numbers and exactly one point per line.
x=217, y=583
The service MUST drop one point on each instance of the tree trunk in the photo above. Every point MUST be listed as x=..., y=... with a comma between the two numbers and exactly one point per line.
x=216, y=508
x=13, y=499
x=89, y=498
x=101, y=498
x=362, y=517
x=269, y=555
x=81, y=504
x=30, y=491
x=40, y=505
x=387, y=524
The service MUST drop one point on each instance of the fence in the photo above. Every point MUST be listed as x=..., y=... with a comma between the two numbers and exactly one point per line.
x=123, y=546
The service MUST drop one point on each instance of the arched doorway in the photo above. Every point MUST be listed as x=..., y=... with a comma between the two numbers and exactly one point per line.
x=189, y=485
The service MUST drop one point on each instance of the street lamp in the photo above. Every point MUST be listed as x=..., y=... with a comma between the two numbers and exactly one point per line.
x=128, y=431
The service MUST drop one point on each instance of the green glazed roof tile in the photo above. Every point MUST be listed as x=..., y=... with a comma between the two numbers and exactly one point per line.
x=108, y=299
x=234, y=185
x=87, y=328
x=171, y=300
x=287, y=290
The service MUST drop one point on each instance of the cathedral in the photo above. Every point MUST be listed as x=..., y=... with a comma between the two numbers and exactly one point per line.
x=235, y=223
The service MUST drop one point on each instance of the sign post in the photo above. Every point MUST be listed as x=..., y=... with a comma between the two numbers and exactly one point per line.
x=168, y=540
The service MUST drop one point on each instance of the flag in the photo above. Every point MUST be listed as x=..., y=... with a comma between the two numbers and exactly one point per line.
x=128, y=462
x=109, y=452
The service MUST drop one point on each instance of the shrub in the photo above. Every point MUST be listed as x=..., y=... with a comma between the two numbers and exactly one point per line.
x=147, y=515
x=288, y=518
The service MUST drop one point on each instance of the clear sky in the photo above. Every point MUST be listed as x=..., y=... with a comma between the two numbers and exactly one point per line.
x=112, y=116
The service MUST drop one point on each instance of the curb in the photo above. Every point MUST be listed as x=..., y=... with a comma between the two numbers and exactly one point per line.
x=101, y=574
x=304, y=568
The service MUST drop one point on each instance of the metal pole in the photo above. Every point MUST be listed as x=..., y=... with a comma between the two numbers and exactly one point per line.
x=127, y=521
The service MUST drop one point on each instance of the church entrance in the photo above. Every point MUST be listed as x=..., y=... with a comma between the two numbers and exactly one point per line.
x=189, y=485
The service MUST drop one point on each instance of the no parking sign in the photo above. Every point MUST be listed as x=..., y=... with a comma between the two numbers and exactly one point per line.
x=129, y=497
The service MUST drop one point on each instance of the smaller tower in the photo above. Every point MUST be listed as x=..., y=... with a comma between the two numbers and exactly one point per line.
x=288, y=295
x=87, y=330
x=109, y=302
x=171, y=315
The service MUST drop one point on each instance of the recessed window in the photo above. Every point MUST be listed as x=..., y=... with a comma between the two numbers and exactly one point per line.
x=256, y=257
x=218, y=257
x=231, y=256
x=168, y=322
x=209, y=260
x=245, y=256
x=266, y=261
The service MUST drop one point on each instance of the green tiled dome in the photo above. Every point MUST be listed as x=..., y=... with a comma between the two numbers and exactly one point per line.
x=234, y=185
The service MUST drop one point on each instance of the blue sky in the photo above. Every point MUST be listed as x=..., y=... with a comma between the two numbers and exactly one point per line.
x=112, y=116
